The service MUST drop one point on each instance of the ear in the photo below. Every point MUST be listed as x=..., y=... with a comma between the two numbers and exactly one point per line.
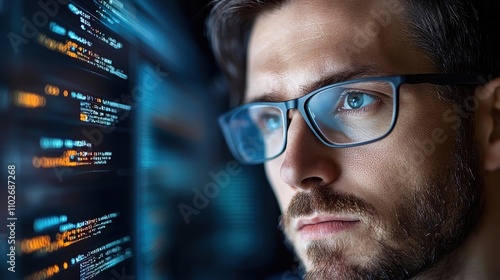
x=488, y=124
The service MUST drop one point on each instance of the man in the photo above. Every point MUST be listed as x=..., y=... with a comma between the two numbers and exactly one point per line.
x=378, y=127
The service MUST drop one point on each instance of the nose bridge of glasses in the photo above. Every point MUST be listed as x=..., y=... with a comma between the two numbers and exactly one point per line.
x=294, y=109
x=291, y=104
x=294, y=105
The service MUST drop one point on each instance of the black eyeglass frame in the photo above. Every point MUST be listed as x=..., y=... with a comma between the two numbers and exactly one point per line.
x=301, y=105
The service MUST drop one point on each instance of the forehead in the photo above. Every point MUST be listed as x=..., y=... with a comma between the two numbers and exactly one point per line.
x=305, y=41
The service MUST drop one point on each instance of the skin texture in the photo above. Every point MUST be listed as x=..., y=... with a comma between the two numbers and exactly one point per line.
x=381, y=184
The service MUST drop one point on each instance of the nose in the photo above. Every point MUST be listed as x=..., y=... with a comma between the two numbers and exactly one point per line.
x=307, y=162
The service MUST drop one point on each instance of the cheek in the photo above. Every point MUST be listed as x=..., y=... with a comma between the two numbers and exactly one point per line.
x=423, y=138
x=419, y=149
x=371, y=173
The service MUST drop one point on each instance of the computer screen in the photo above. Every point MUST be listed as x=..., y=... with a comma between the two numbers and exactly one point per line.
x=66, y=148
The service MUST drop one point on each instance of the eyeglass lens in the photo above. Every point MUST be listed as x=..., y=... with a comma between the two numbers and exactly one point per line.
x=341, y=115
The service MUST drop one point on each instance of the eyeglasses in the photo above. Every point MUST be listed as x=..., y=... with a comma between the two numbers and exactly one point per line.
x=346, y=114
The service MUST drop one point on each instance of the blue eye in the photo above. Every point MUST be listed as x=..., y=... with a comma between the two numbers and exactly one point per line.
x=273, y=123
x=270, y=123
x=357, y=100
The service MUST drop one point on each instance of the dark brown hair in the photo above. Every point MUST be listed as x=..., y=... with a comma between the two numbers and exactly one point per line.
x=459, y=36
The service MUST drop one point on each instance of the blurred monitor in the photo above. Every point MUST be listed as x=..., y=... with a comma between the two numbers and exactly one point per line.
x=67, y=142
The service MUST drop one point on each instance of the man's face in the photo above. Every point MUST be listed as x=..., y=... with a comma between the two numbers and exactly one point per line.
x=389, y=209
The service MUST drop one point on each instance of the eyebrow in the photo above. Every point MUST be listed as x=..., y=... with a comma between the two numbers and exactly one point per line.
x=357, y=73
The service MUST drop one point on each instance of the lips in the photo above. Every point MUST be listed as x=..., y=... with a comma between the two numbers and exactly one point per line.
x=321, y=226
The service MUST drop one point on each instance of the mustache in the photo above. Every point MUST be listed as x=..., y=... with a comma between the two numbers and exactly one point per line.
x=325, y=200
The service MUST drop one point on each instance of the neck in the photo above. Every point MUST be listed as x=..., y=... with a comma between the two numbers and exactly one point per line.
x=477, y=258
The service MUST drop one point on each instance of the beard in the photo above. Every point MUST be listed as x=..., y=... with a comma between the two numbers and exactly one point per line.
x=430, y=223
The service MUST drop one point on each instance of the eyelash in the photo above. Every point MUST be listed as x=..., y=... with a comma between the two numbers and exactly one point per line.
x=359, y=111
